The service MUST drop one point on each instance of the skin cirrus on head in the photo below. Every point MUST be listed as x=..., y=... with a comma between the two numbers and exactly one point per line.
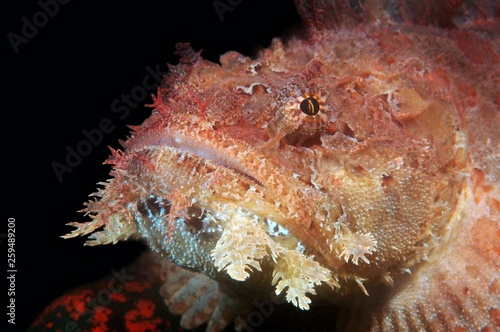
x=354, y=163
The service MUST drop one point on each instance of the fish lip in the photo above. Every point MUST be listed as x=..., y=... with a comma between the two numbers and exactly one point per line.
x=192, y=146
x=213, y=147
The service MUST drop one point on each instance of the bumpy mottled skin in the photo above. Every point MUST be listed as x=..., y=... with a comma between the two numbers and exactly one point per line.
x=385, y=204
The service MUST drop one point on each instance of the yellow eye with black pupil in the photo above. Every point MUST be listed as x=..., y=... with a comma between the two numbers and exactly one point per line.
x=310, y=106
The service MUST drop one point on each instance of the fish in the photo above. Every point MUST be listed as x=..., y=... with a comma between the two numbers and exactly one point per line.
x=352, y=164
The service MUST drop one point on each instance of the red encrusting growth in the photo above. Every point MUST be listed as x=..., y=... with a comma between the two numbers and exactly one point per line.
x=89, y=309
x=141, y=317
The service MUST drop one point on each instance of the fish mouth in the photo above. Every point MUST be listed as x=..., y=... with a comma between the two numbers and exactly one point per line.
x=263, y=189
x=242, y=239
x=204, y=151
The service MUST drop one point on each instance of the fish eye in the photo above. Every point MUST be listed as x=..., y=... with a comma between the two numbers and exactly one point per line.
x=310, y=106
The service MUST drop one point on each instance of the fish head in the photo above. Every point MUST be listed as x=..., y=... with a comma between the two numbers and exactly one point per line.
x=316, y=166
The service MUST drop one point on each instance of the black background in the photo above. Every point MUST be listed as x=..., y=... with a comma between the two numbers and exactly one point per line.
x=64, y=80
